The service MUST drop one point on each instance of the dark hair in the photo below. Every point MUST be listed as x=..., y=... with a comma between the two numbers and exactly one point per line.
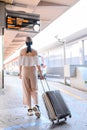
x=28, y=44
x=29, y=39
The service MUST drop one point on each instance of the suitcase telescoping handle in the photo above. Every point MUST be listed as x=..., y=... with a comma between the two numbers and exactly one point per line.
x=46, y=84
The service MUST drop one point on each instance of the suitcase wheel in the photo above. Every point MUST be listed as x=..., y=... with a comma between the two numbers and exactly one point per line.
x=70, y=116
x=58, y=121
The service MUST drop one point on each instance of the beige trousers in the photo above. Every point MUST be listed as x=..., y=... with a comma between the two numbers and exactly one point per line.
x=29, y=82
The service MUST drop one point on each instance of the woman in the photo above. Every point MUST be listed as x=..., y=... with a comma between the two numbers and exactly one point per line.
x=28, y=61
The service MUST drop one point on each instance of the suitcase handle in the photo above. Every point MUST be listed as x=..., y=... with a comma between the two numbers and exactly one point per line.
x=43, y=85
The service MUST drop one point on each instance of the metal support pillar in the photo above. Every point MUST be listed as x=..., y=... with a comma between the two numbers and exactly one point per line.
x=83, y=58
x=64, y=43
x=2, y=25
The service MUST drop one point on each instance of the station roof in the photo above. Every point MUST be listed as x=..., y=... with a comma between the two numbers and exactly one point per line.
x=82, y=34
x=49, y=10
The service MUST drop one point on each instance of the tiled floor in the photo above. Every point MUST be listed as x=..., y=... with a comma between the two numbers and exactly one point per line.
x=13, y=115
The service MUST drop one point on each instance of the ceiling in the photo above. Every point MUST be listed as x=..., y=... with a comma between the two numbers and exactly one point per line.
x=49, y=10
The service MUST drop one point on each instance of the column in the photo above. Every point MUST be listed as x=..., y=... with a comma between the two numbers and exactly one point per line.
x=83, y=58
x=2, y=25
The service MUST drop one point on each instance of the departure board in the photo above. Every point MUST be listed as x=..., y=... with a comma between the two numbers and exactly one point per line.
x=22, y=22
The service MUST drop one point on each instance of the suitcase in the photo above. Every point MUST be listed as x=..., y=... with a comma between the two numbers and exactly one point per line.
x=55, y=105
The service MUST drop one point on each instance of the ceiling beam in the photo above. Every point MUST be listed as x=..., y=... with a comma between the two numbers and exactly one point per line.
x=7, y=1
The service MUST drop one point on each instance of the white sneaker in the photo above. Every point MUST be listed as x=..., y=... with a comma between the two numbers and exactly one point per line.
x=30, y=112
x=37, y=111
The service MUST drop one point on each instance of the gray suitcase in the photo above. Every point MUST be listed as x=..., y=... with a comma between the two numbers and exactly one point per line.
x=55, y=105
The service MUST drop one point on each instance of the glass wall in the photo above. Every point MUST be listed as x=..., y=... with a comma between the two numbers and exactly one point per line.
x=54, y=58
x=74, y=54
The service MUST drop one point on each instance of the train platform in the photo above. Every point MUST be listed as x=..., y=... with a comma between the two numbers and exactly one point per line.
x=13, y=114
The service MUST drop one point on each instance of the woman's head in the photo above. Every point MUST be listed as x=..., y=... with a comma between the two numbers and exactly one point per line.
x=28, y=41
x=28, y=44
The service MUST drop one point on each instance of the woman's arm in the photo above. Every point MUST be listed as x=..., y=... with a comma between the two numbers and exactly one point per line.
x=20, y=71
x=40, y=72
x=20, y=66
x=38, y=64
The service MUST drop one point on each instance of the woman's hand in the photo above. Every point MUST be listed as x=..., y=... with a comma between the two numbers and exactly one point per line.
x=40, y=72
x=20, y=76
x=41, y=77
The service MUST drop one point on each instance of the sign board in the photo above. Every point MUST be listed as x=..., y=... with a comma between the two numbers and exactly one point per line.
x=22, y=21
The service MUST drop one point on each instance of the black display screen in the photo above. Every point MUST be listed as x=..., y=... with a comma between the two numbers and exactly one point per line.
x=22, y=22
